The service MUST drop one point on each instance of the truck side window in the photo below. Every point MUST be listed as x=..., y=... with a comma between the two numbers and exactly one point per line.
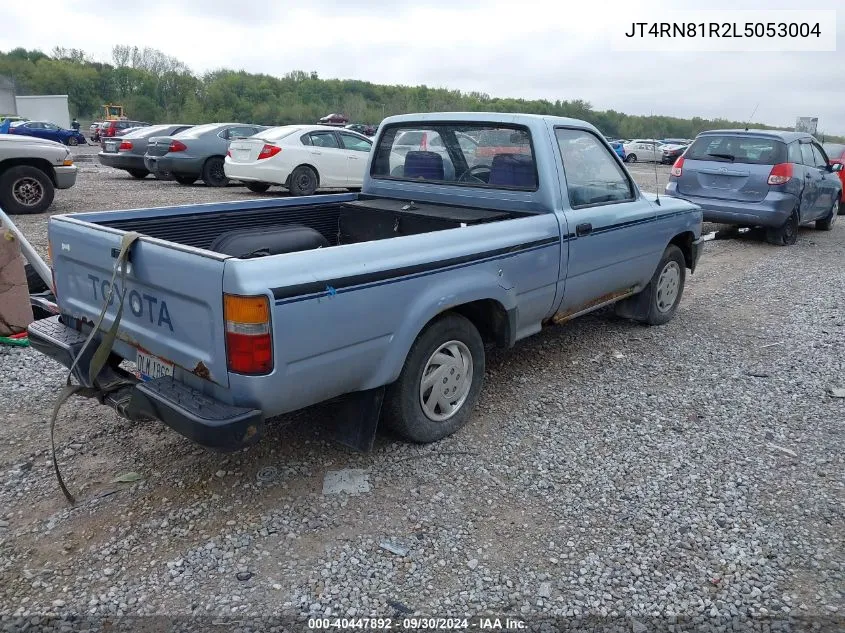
x=593, y=175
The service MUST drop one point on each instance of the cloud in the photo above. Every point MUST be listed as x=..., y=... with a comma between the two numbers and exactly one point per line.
x=528, y=49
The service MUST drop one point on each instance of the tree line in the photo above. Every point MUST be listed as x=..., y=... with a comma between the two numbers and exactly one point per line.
x=155, y=87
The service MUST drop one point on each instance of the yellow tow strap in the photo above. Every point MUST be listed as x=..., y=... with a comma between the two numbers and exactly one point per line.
x=101, y=354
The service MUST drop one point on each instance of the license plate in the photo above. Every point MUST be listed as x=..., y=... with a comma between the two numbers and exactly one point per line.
x=150, y=367
x=242, y=154
x=111, y=147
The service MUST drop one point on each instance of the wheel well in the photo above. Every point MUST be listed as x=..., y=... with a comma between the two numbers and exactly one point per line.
x=40, y=163
x=684, y=242
x=310, y=166
x=491, y=319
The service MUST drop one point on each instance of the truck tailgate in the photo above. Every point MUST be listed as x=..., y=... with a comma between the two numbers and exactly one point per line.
x=173, y=301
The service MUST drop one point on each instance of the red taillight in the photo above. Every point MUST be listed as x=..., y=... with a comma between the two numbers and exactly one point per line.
x=678, y=167
x=125, y=145
x=229, y=153
x=780, y=174
x=177, y=146
x=249, y=345
x=269, y=150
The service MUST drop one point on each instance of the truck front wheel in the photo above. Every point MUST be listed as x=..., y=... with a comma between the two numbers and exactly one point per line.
x=440, y=381
x=25, y=189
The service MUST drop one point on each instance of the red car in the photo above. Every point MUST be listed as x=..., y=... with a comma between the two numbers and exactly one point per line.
x=836, y=154
x=504, y=141
x=112, y=128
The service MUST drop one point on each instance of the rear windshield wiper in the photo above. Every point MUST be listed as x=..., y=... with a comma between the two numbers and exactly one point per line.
x=729, y=157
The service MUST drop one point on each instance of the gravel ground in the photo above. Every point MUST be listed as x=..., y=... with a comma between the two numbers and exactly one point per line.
x=684, y=477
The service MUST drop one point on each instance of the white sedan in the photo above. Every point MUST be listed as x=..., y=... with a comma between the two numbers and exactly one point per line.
x=302, y=158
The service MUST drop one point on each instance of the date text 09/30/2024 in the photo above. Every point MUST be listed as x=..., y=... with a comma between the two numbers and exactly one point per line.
x=418, y=624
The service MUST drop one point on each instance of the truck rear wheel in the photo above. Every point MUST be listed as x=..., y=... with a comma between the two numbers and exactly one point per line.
x=25, y=189
x=440, y=381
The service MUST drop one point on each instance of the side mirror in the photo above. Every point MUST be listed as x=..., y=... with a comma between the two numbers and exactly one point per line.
x=836, y=167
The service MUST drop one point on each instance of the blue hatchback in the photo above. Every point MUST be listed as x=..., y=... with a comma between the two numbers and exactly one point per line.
x=47, y=130
x=768, y=178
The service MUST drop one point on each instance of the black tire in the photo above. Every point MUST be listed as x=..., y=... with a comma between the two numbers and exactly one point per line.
x=842, y=208
x=826, y=223
x=403, y=409
x=786, y=234
x=213, y=174
x=25, y=189
x=258, y=187
x=648, y=306
x=138, y=173
x=184, y=180
x=72, y=141
x=34, y=282
x=303, y=181
x=631, y=158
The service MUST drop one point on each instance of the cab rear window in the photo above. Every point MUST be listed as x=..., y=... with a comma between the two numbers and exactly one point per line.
x=447, y=153
x=737, y=148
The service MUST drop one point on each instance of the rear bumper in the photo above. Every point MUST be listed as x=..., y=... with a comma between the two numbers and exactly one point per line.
x=65, y=176
x=182, y=165
x=772, y=211
x=206, y=421
x=252, y=172
x=121, y=161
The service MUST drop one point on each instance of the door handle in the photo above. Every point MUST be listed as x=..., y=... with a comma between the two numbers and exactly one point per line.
x=315, y=152
x=583, y=229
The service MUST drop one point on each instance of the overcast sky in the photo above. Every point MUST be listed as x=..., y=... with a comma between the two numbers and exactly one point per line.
x=514, y=48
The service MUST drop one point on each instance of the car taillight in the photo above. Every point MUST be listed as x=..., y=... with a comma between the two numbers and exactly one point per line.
x=125, y=145
x=177, y=146
x=249, y=345
x=269, y=150
x=229, y=153
x=678, y=167
x=780, y=174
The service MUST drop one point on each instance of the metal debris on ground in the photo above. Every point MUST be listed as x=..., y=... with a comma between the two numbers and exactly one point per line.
x=127, y=478
x=352, y=481
x=393, y=549
x=267, y=475
x=836, y=392
x=783, y=450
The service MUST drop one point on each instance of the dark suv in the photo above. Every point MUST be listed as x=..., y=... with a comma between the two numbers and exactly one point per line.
x=769, y=178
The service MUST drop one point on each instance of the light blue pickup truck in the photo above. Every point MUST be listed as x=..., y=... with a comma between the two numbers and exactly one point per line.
x=233, y=313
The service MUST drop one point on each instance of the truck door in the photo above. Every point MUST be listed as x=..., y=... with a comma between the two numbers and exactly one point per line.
x=611, y=233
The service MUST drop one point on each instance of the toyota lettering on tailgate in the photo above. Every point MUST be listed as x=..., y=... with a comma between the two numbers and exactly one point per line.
x=140, y=304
